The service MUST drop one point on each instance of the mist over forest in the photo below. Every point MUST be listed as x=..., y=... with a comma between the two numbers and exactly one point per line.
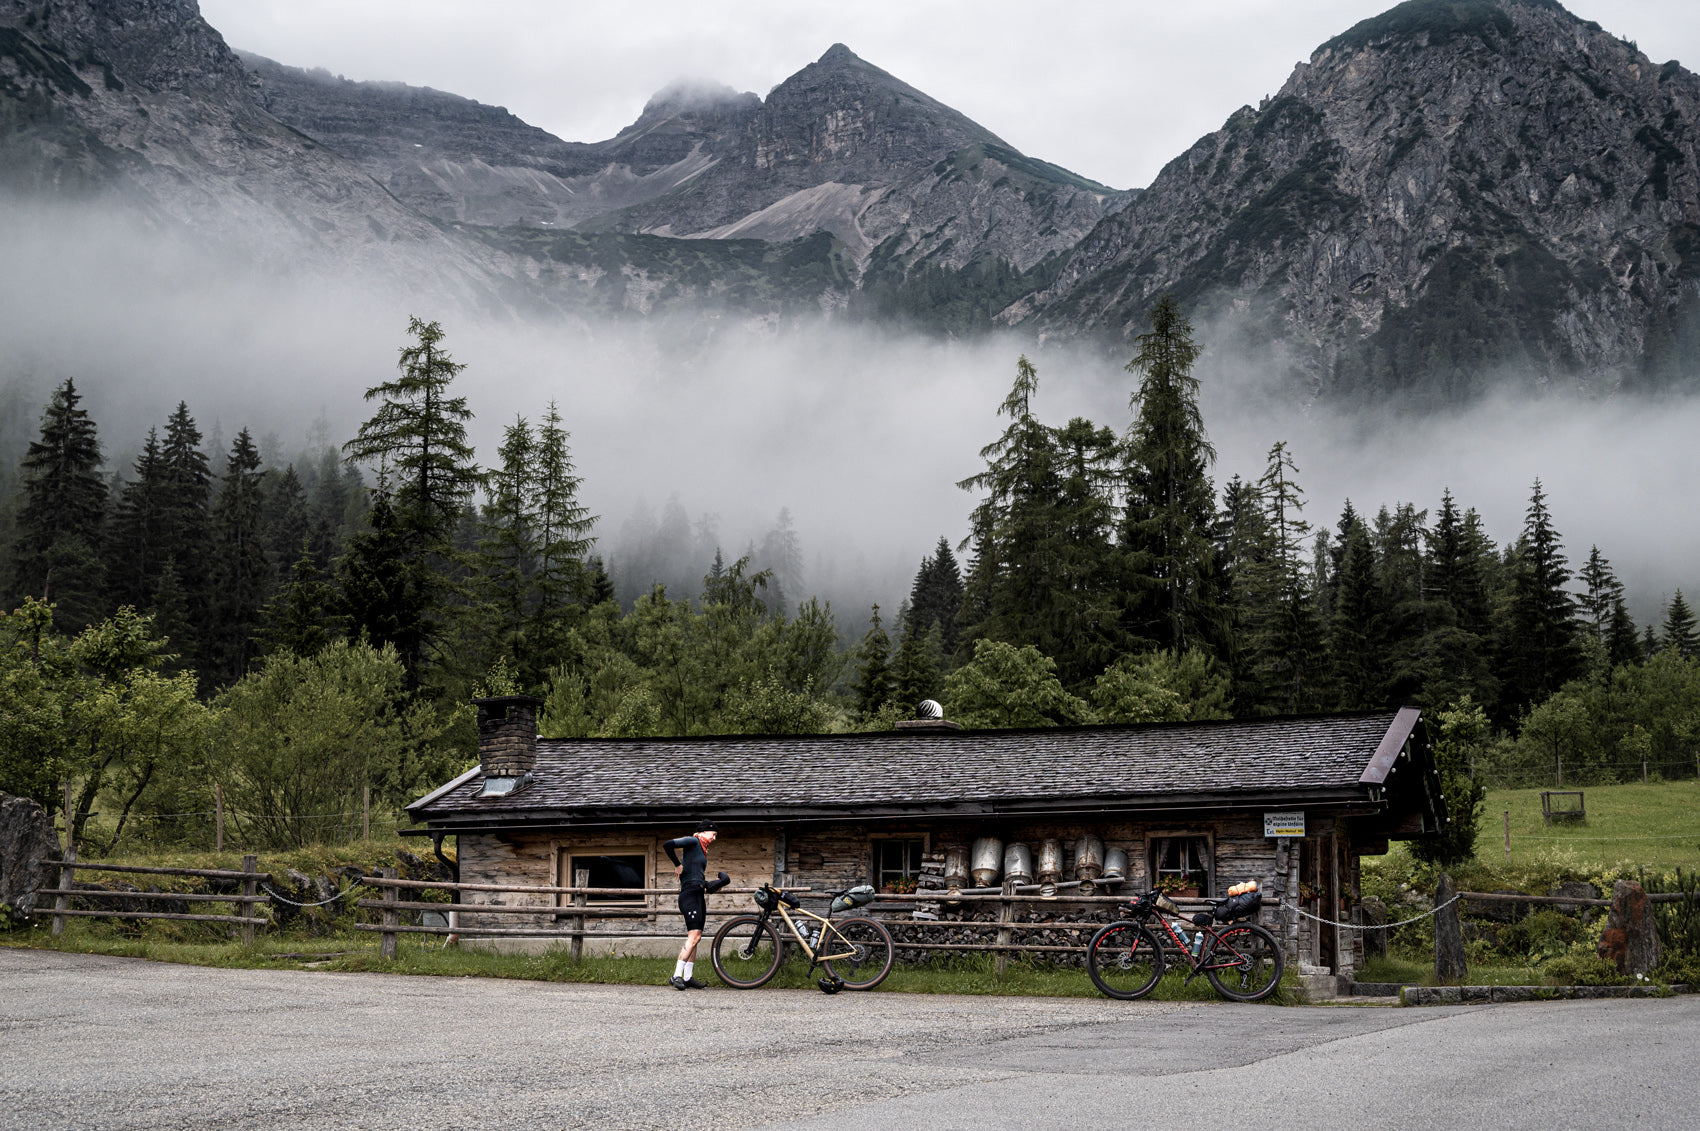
x=859, y=433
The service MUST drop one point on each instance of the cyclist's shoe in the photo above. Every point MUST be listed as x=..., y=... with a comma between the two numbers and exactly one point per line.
x=678, y=983
x=693, y=984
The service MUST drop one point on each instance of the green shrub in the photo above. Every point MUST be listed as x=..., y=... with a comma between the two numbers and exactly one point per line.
x=1582, y=970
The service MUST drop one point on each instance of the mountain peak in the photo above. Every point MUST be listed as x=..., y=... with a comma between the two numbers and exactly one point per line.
x=839, y=54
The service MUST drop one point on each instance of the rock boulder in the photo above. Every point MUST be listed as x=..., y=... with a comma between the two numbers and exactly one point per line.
x=28, y=848
x=1631, y=938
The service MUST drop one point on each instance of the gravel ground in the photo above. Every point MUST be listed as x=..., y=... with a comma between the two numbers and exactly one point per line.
x=92, y=1041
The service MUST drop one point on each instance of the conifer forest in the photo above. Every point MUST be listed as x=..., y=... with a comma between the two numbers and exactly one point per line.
x=302, y=631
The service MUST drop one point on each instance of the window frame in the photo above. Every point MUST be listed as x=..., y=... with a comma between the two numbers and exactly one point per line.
x=1198, y=839
x=567, y=854
x=877, y=844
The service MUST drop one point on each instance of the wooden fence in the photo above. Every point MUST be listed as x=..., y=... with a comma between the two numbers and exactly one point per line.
x=244, y=912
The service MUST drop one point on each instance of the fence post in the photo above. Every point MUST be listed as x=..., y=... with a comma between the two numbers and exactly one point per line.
x=250, y=889
x=391, y=919
x=218, y=811
x=63, y=900
x=366, y=816
x=1508, y=834
x=581, y=879
x=1006, y=910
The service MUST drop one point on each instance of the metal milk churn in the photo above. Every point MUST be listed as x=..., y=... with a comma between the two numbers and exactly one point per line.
x=1018, y=864
x=1050, y=866
x=986, y=859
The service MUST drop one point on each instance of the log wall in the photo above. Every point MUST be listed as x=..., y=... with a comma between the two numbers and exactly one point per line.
x=833, y=856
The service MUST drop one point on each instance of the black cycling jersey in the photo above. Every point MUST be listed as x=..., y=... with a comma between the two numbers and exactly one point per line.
x=695, y=861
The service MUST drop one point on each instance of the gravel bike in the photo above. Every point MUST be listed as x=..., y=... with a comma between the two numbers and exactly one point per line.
x=1243, y=961
x=856, y=952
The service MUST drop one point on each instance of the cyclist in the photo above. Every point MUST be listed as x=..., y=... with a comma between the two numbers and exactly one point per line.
x=693, y=897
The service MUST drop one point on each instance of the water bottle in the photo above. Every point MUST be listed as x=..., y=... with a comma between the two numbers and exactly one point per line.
x=1180, y=932
x=1197, y=943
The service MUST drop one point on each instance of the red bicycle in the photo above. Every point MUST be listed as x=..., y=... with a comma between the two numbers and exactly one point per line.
x=1242, y=960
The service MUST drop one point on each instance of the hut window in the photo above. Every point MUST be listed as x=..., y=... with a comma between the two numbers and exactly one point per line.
x=608, y=870
x=1183, y=857
x=896, y=864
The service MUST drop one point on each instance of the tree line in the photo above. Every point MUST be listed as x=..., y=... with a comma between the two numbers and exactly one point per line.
x=243, y=623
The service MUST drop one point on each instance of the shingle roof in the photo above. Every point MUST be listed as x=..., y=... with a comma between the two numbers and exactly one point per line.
x=931, y=769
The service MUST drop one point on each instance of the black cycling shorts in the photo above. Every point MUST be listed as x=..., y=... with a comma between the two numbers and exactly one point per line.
x=693, y=904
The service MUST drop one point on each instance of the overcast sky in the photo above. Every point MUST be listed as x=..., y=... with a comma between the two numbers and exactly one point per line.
x=1111, y=90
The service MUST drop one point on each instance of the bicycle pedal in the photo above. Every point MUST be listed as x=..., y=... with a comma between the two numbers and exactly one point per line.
x=829, y=985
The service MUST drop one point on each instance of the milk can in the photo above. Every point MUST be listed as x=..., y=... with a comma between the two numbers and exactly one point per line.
x=1088, y=858
x=956, y=866
x=1050, y=866
x=1018, y=864
x=1115, y=866
x=986, y=859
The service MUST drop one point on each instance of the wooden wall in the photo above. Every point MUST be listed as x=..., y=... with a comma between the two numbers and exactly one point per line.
x=827, y=857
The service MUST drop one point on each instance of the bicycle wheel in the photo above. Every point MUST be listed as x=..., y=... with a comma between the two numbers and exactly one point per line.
x=870, y=960
x=746, y=952
x=1125, y=960
x=1257, y=963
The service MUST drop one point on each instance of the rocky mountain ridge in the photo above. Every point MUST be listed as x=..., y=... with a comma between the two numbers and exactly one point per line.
x=1444, y=195
x=1440, y=195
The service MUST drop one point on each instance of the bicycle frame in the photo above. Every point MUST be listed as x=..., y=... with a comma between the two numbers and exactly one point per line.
x=815, y=957
x=1199, y=964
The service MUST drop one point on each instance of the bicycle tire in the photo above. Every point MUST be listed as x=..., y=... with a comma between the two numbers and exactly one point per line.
x=1260, y=966
x=746, y=952
x=874, y=952
x=1125, y=960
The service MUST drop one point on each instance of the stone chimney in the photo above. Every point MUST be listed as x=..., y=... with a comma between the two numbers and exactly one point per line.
x=507, y=741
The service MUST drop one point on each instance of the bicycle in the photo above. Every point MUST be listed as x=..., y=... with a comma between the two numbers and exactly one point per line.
x=1242, y=961
x=856, y=952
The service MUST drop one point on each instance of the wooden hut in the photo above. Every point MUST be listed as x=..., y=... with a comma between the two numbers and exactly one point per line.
x=1292, y=802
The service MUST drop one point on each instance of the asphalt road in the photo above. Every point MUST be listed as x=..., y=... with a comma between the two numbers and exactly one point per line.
x=116, y=1043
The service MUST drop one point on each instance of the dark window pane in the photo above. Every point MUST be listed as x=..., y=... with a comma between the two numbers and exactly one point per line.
x=611, y=872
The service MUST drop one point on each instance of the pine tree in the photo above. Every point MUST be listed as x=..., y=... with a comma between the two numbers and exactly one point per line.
x=187, y=502
x=241, y=575
x=873, y=675
x=507, y=549
x=935, y=598
x=598, y=586
x=1175, y=601
x=1602, y=593
x=417, y=438
x=1284, y=639
x=1679, y=634
x=1539, y=648
x=135, y=551
x=62, y=524
x=916, y=672
x=1356, y=631
x=563, y=530
x=381, y=598
x=782, y=555
x=1623, y=639
x=1015, y=520
x=298, y=619
x=1405, y=661
x=1457, y=645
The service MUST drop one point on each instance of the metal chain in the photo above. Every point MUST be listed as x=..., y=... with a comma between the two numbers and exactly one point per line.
x=1381, y=926
x=321, y=903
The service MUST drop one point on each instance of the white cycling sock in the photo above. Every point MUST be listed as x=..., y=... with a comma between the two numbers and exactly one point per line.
x=689, y=966
x=679, y=969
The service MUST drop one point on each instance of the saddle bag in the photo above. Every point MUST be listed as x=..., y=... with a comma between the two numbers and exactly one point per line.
x=859, y=896
x=1236, y=907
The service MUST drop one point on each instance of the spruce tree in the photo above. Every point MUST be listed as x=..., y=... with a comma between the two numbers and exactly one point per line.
x=241, y=575
x=782, y=555
x=1405, y=659
x=62, y=523
x=1285, y=640
x=1602, y=591
x=1356, y=633
x=1539, y=648
x=1623, y=639
x=381, y=602
x=298, y=618
x=135, y=550
x=417, y=438
x=563, y=532
x=507, y=549
x=873, y=674
x=1679, y=634
x=1174, y=599
x=1458, y=644
x=186, y=501
x=916, y=672
x=935, y=598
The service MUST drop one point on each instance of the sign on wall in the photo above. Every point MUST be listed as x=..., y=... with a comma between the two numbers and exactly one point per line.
x=1284, y=824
